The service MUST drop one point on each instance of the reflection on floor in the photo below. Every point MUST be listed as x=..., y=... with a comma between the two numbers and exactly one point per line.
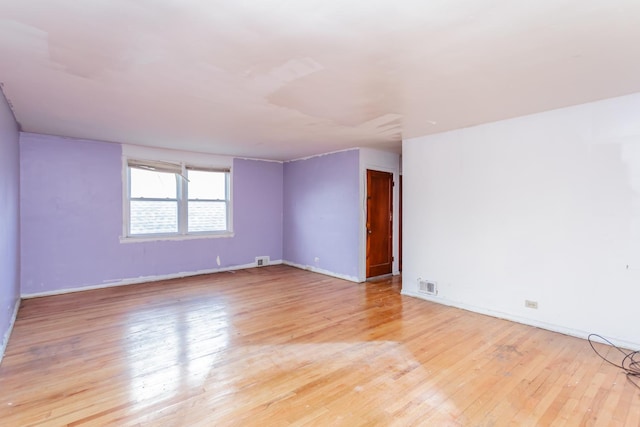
x=279, y=346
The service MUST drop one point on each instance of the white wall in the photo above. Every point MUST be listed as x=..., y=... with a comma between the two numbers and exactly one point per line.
x=386, y=162
x=544, y=207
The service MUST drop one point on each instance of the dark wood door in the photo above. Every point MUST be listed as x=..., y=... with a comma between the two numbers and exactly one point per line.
x=379, y=223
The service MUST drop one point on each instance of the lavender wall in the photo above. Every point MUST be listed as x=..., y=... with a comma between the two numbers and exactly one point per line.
x=321, y=214
x=71, y=201
x=9, y=221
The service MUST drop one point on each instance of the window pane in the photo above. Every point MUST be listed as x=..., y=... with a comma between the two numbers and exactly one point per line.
x=207, y=185
x=153, y=217
x=152, y=184
x=207, y=216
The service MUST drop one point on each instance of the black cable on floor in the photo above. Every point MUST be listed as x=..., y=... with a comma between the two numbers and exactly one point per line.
x=630, y=362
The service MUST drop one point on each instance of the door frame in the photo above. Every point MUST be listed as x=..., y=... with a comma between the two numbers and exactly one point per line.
x=387, y=238
x=385, y=162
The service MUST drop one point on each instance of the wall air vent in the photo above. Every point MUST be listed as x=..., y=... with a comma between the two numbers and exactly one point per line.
x=261, y=261
x=427, y=287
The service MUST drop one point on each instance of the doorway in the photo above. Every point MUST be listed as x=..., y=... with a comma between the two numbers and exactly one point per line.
x=379, y=223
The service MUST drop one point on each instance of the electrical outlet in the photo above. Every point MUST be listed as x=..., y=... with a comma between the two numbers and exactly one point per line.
x=531, y=304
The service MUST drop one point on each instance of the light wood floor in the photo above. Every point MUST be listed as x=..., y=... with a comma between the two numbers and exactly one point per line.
x=279, y=346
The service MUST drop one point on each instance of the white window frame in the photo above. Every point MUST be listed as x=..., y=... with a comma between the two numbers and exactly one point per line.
x=180, y=169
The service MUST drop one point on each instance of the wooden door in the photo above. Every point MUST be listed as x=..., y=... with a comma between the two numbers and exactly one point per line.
x=379, y=223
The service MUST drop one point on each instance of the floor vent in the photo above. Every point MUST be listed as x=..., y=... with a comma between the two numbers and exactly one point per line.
x=427, y=287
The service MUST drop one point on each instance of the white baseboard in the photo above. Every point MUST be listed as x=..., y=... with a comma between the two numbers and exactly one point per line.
x=7, y=334
x=145, y=279
x=523, y=320
x=322, y=271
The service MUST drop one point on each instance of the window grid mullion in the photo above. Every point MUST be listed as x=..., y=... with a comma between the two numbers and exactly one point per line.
x=183, y=195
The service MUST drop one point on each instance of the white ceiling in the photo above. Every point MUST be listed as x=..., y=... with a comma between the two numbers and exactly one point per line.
x=285, y=79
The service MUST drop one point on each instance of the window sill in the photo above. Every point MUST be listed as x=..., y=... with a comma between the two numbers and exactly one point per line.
x=154, y=238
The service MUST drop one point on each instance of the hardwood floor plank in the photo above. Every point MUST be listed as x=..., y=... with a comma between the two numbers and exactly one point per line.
x=280, y=346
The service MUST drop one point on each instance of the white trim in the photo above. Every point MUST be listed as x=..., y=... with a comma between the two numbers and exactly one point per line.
x=155, y=237
x=523, y=320
x=230, y=178
x=145, y=279
x=255, y=159
x=5, y=339
x=321, y=155
x=126, y=190
x=177, y=156
x=182, y=200
x=182, y=195
x=384, y=161
x=322, y=271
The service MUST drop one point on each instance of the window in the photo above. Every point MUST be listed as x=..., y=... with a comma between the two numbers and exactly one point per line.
x=176, y=199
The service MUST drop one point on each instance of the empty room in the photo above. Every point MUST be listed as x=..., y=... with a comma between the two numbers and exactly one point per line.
x=322, y=213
